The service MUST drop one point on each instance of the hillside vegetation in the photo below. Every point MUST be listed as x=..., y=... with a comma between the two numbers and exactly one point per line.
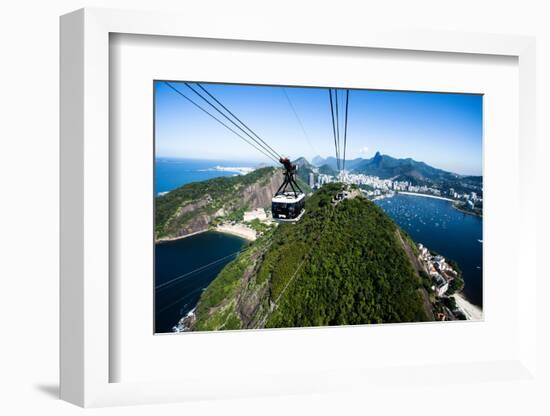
x=341, y=264
x=193, y=207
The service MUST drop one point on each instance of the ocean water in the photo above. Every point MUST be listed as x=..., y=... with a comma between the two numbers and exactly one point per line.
x=184, y=268
x=444, y=229
x=173, y=173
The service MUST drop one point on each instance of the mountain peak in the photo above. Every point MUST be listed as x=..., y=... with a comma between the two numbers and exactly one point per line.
x=377, y=157
x=302, y=161
x=317, y=160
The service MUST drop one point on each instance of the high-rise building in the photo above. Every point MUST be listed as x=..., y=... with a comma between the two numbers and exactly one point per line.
x=311, y=180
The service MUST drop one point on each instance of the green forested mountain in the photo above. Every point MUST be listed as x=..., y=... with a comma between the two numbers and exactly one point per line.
x=194, y=206
x=302, y=174
x=328, y=170
x=386, y=167
x=344, y=263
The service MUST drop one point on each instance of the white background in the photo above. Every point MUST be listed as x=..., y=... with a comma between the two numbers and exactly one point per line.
x=29, y=209
x=137, y=60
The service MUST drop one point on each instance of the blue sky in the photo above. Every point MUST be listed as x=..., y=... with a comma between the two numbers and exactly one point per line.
x=443, y=130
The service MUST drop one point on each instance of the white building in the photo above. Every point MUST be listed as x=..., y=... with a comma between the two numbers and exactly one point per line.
x=258, y=214
x=423, y=250
x=441, y=285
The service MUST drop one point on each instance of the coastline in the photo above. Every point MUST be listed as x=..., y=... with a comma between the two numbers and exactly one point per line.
x=453, y=201
x=240, y=170
x=475, y=214
x=472, y=312
x=425, y=195
x=167, y=239
x=239, y=230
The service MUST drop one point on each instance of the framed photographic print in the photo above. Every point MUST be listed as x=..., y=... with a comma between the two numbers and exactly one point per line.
x=337, y=233
x=310, y=205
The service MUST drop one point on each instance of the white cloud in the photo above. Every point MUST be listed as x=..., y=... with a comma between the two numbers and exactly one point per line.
x=364, y=150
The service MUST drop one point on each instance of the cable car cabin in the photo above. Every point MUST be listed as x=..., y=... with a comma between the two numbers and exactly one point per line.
x=288, y=206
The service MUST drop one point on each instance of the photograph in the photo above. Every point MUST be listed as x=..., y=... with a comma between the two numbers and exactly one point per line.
x=293, y=207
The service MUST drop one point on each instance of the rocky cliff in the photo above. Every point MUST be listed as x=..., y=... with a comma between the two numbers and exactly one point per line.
x=195, y=206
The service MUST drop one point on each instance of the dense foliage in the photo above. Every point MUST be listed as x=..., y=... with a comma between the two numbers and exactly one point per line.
x=327, y=170
x=457, y=284
x=340, y=264
x=218, y=307
x=354, y=270
x=204, y=197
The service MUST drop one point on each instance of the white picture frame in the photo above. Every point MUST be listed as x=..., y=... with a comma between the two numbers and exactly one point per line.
x=86, y=355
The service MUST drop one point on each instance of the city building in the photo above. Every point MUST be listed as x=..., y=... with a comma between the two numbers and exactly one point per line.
x=312, y=180
x=440, y=285
x=375, y=187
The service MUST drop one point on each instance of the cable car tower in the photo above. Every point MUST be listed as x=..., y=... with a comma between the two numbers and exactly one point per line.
x=288, y=204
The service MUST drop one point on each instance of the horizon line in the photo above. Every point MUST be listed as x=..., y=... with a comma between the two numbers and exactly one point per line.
x=157, y=157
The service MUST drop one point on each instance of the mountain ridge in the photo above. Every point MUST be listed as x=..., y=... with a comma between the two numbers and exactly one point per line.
x=388, y=167
x=195, y=206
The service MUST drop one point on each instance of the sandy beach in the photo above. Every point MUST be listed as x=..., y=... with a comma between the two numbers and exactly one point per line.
x=239, y=230
x=166, y=239
x=471, y=311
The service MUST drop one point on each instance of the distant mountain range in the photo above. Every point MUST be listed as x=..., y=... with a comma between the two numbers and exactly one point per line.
x=388, y=167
